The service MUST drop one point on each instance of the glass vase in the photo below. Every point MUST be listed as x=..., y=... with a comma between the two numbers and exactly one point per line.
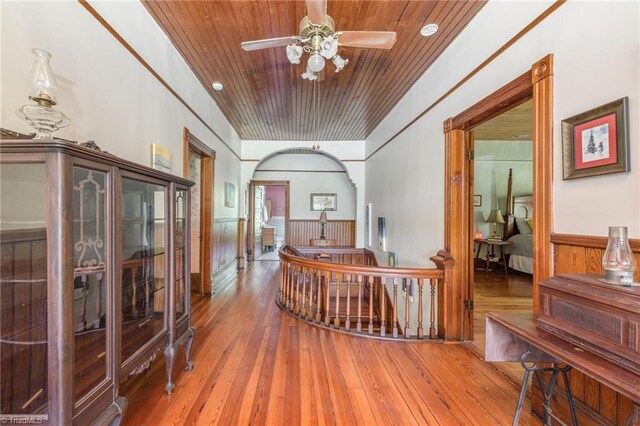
x=618, y=261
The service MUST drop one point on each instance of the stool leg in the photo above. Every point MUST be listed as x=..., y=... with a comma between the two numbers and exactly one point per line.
x=567, y=386
x=523, y=393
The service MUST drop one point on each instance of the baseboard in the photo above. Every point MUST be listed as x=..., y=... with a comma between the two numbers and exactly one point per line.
x=224, y=276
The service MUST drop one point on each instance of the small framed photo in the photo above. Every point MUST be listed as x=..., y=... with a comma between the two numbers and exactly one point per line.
x=326, y=202
x=596, y=142
x=229, y=194
x=160, y=158
x=477, y=201
x=393, y=259
x=382, y=234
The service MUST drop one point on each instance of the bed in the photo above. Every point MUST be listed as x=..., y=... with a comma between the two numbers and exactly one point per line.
x=519, y=232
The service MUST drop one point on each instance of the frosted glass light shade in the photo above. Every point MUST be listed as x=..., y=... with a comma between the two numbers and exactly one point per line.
x=315, y=63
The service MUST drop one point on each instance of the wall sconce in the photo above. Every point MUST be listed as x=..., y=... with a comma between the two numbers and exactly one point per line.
x=323, y=221
x=494, y=217
x=44, y=89
x=618, y=261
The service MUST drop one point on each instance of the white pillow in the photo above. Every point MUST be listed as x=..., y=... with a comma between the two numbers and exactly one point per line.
x=523, y=226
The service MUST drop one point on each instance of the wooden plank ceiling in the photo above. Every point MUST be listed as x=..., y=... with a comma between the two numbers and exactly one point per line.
x=264, y=97
x=513, y=125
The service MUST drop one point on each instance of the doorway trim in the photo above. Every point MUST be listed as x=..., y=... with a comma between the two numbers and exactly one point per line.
x=536, y=84
x=251, y=220
x=190, y=142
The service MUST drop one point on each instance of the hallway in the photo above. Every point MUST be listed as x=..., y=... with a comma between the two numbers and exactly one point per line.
x=256, y=365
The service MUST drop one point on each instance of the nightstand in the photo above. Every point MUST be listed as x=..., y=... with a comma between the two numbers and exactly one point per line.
x=490, y=255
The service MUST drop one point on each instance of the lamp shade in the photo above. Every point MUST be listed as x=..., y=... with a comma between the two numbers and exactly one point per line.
x=323, y=217
x=495, y=217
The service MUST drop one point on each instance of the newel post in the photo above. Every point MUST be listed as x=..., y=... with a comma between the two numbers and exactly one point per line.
x=446, y=300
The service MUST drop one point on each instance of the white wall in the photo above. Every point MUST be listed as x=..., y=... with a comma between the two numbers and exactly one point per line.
x=596, y=47
x=349, y=153
x=109, y=96
x=311, y=173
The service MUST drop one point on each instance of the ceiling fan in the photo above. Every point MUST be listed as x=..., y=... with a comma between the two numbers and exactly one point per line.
x=319, y=38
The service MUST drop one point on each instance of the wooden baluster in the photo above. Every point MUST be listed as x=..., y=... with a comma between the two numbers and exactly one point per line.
x=327, y=307
x=288, y=287
x=371, y=284
x=319, y=296
x=432, y=326
x=296, y=306
x=336, y=320
x=312, y=280
x=394, y=331
x=407, y=308
x=292, y=272
x=283, y=273
x=420, y=285
x=96, y=321
x=383, y=306
x=302, y=311
x=347, y=322
x=359, y=323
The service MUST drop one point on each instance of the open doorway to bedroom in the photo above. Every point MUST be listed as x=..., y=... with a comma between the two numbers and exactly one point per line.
x=269, y=218
x=502, y=184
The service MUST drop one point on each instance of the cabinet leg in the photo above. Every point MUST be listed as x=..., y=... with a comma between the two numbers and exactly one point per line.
x=187, y=349
x=170, y=359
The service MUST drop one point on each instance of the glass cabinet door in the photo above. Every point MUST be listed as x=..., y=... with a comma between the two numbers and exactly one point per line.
x=143, y=264
x=89, y=280
x=180, y=239
x=23, y=290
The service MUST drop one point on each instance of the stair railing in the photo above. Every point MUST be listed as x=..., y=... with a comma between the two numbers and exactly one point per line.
x=344, y=289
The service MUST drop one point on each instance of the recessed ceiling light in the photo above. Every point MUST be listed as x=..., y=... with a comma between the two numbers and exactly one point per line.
x=429, y=29
x=217, y=86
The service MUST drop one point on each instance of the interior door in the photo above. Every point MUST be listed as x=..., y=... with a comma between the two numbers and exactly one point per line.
x=470, y=145
x=195, y=175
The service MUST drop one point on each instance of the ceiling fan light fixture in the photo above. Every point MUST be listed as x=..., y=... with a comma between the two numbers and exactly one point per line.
x=429, y=29
x=309, y=75
x=315, y=63
x=294, y=53
x=329, y=47
x=339, y=62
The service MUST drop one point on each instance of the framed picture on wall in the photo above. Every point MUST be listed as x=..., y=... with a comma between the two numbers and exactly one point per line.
x=382, y=234
x=229, y=194
x=326, y=202
x=477, y=201
x=596, y=142
x=160, y=158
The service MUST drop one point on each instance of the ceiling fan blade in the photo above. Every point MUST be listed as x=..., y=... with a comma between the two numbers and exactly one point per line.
x=267, y=43
x=316, y=11
x=368, y=39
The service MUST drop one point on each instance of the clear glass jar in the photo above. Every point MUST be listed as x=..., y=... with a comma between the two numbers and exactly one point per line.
x=618, y=261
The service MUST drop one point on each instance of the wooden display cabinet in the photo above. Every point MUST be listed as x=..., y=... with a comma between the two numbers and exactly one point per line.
x=93, y=281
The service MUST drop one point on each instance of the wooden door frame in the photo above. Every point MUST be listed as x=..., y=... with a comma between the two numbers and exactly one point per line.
x=251, y=220
x=190, y=142
x=536, y=84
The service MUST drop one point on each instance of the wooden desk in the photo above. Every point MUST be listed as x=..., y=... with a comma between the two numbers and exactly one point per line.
x=490, y=255
x=326, y=242
x=510, y=336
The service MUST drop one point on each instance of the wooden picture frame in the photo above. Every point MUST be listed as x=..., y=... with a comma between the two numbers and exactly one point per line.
x=596, y=142
x=382, y=234
x=324, y=202
x=477, y=201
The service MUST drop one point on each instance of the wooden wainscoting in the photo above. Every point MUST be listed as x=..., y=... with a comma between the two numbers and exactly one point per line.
x=302, y=231
x=225, y=251
x=580, y=254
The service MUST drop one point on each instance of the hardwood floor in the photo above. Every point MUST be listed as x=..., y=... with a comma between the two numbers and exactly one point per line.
x=496, y=292
x=254, y=364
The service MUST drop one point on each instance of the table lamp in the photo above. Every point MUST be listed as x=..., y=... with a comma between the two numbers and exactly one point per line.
x=494, y=217
x=323, y=221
